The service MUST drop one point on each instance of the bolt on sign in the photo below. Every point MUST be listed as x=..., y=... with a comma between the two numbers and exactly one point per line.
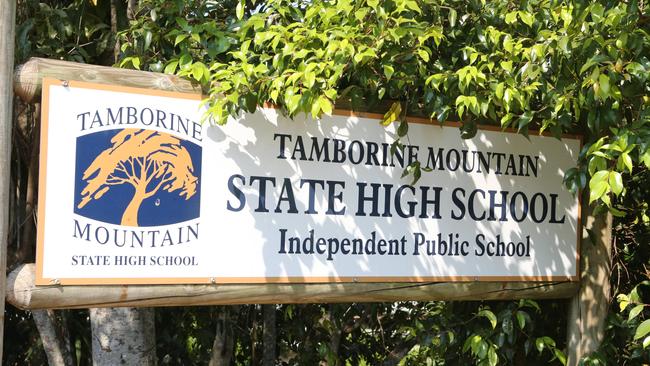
x=136, y=190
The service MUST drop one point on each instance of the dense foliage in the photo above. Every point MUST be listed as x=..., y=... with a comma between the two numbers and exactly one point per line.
x=558, y=66
x=548, y=65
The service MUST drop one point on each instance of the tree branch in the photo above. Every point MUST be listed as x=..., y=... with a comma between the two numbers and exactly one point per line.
x=164, y=179
x=115, y=180
x=156, y=168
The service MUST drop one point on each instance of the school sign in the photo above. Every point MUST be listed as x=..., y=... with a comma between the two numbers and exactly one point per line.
x=135, y=190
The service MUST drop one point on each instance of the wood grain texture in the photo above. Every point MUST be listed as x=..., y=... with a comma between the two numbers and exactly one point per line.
x=589, y=307
x=22, y=293
x=28, y=77
x=7, y=30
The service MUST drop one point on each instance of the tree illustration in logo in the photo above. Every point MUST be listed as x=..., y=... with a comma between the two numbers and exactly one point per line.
x=148, y=161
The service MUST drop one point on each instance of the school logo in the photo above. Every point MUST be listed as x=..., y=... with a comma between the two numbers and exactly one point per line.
x=137, y=177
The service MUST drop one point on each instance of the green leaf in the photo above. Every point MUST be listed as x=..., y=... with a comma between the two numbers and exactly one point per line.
x=293, y=102
x=331, y=94
x=442, y=114
x=361, y=14
x=403, y=129
x=616, y=212
x=147, y=39
x=472, y=342
x=185, y=61
x=642, y=330
x=511, y=17
x=527, y=18
x=627, y=161
x=563, y=43
x=506, y=325
x=645, y=158
x=506, y=65
x=548, y=341
x=309, y=79
x=239, y=10
x=508, y=44
x=597, y=191
x=392, y=115
x=598, y=185
x=325, y=105
x=490, y=316
x=597, y=11
x=424, y=55
x=596, y=163
x=493, y=359
x=180, y=38
x=505, y=120
x=499, y=90
x=635, y=311
x=603, y=80
x=482, y=349
x=593, y=61
x=539, y=344
x=524, y=121
x=560, y=356
x=171, y=67
x=600, y=176
x=388, y=71
x=453, y=15
x=616, y=182
x=197, y=70
x=315, y=109
x=183, y=24
x=521, y=319
x=136, y=62
x=646, y=342
x=507, y=97
x=412, y=5
x=623, y=301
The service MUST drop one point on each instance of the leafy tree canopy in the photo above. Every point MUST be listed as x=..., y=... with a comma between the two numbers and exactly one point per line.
x=554, y=66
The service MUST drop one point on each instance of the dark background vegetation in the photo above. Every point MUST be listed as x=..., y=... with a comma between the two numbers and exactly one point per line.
x=411, y=333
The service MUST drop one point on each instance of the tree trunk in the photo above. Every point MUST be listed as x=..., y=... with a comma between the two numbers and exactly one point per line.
x=28, y=240
x=55, y=338
x=51, y=324
x=123, y=336
x=253, y=335
x=223, y=340
x=337, y=332
x=116, y=48
x=269, y=335
x=130, y=215
x=131, y=6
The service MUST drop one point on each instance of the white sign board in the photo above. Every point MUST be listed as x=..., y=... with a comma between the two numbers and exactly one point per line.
x=135, y=190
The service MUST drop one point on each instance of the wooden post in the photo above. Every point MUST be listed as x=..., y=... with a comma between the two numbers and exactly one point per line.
x=589, y=307
x=22, y=293
x=7, y=29
x=28, y=77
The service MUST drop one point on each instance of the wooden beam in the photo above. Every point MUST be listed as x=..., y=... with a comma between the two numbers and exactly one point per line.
x=22, y=293
x=589, y=307
x=7, y=39
x=28, y=77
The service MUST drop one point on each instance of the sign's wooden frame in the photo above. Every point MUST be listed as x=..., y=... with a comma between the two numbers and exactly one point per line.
x=23, y=293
